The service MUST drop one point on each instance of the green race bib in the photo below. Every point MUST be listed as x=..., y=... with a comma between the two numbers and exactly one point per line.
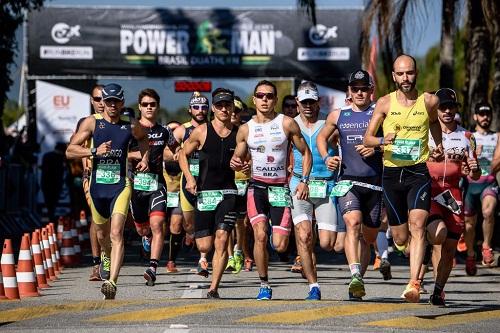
x=341, y=188
x=317, y=189
x=173, y=199
x=194, y=166
x=208, y=200
x=279, y=196
x=144, y=181
x=406, y=149
x=241, y=185
x=107, y=174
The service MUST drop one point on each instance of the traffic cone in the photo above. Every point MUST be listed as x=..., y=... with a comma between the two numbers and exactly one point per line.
x=48, y=256
x=76, y=243
x=67, y=249
x=84, y=223
x=26, y=278
x=83, y=218
x=2, y=290
x=53, y=250
x=38, y=259
x=60, y=230
x=9, y=271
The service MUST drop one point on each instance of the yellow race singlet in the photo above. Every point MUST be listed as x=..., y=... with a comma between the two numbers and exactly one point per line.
x=411, y=125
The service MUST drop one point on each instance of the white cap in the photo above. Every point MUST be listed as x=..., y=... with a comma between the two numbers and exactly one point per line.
x=307, y=93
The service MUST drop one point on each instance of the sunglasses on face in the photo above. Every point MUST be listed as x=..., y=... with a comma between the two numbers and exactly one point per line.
x=221, y=105
x=199, y=107
x=363, y=89
x=146, y=104
x=484, y=113
x=112, y=101
x=290, y=105
x=261, y=95
x=96, y=99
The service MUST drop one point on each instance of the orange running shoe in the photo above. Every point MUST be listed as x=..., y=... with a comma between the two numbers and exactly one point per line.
x=488, y=257
x=412, y=292
x=376, y=263
x=461, y=245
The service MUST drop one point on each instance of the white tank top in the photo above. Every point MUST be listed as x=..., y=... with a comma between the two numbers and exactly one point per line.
x=486, y=144
x=268, y=145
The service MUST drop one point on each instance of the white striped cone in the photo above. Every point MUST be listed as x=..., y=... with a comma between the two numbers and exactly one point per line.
x=9, y=271
x=2, y=290
x=45, y=267
x=26, y=278
x=48, y=255
x=67, y=250
x=38, y=260
x=83, y=218
x=76, y=244
x=53, y=250
x=60, y=230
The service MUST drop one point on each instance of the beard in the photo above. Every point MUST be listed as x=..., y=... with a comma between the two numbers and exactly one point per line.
x=406, y=89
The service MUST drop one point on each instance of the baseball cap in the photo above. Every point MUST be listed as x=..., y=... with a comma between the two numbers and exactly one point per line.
x=238, y=104
x=447, y=96
x=198, y=98
x=482, y=107
x=360, y=76
x=223, y=95
x=112, y=90
x=307, y=90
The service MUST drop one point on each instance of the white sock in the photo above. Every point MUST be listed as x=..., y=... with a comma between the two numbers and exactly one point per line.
x=355, y=268
x=382, y=245
x=312, y=285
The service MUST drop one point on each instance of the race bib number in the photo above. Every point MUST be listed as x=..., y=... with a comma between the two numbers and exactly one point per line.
x=317, y=189
x=194, y=166
x=447, y=200
x=107, y=174
x=406, y=149
x=241, y=185
x=279, y=196
x=144, y=181
x=208, y=200
x=172, y=199
x=341, y=188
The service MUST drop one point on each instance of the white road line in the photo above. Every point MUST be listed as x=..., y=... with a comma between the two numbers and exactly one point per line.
x=196, y=286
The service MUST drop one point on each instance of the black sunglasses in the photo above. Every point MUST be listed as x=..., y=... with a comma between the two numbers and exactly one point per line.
x=146, y=104
x=96, y=99
x=261, y=95
x=290, y=105
x=363, y=89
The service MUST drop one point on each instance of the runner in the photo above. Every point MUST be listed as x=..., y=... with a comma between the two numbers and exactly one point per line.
x=481, y=194
x=110, y=189
x=289, y=106
x=406, y=117
x=446, y=219
x=321, y=182
x=358, y=190
x=265, y=140
x=198, y=109
x=149, y=197
x=215, y=214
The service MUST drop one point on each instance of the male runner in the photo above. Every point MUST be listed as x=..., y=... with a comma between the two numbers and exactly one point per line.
x=481, y=194
x=446, y=218
x=406, y=118
x=215, y=214
x=289, y=106
x=358, y=190
x=265, y=140
x=149, y=197
x=110, y=189
x=321, y=182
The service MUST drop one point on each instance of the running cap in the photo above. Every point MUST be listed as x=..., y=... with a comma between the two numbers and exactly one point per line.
x=223, y=95
x=112, y=91
x=198, y=98
x=238, y=104
x=360, y=76
x=307, y=90
x=482, y=107
x=447, y=96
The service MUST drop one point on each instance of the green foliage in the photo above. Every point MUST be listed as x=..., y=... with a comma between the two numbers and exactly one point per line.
x=11, y=113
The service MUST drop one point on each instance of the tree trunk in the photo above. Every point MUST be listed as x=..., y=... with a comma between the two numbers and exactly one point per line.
x=448, y=32
x=398, y=28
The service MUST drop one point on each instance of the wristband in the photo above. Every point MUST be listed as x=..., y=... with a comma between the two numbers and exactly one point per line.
x=304, y=179
x=325, y=158
x=381, y=141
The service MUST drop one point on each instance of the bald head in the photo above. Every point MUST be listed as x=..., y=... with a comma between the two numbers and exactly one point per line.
x=404, y=73
x=406, y=61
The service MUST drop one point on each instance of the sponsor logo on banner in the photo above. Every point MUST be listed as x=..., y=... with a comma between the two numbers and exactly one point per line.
x=61, y=102
x=66, y=52
x=323, y=53
x=62, y=33
x=320, y=34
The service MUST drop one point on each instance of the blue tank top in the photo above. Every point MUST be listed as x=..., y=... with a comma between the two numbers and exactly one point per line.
x=352, y=126
x=319, y=169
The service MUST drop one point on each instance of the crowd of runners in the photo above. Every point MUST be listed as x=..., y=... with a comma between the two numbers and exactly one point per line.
x=401, y=168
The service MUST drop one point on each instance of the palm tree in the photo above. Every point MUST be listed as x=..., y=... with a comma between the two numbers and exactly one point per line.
x=448, y=33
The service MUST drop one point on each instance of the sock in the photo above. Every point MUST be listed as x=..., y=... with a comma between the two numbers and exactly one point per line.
x=174, y=246
x=264, y=281
x=438, y=289
x=401, y=248
x=382, y=245
x=153, y=264
x=355, y=268
x=96, y=261
x=312, y=285
x=229, y=258
x=238, y=253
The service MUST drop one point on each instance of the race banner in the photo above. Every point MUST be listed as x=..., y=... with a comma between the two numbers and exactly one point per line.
x=194, y=42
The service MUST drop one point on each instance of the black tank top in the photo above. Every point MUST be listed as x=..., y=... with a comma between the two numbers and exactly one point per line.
x=215, y=172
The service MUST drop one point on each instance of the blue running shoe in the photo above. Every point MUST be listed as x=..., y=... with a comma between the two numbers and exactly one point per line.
x=146, y=243
x=265, y=293
x=314, y=294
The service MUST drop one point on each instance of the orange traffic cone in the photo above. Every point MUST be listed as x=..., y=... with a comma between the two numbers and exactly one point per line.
x=9, y=271
x=48, y=256
x=2, y=290
x=84, y=223
x=76, y=243
x=53, y=249
x=26, y=279
x=67, y=249
x=60, y=230
x=38, y=259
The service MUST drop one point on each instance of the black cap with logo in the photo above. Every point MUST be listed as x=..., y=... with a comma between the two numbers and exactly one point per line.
x=483, y=107
x=447, y=96
x=221, y=96
x=112, y=91
x=360, y=76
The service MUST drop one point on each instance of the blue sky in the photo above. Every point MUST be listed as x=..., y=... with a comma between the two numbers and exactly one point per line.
x=423, y=34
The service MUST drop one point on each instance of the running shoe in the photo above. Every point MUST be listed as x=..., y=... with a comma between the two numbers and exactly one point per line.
x=314, y=294
x=202, y=269
x=376, y=263
x=461, y=245
x=357, y=286
x=470, y=265
x=150, y=277
x=354, y=298
x=248, y=265
x=146, y=244
x=412, y=292
x=385, y=269
x=488, y=257
x=238, y=263
x=437, y=299
x=297, y=265
x=230, y=264
x=213, y=294
x=265, y=293
x=108, y=289
x=171, y=268
x=422, y=289
x=94, y=276
x=104, y=267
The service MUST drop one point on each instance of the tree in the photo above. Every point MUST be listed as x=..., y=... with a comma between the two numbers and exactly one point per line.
x=448, y=32
x=310, y=7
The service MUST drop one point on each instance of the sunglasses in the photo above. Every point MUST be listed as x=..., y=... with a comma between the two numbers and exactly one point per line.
x=261, y=95
x=112, y=101
x=146, y=104
x=199, y=107
x=363, y=89
x=484, y=113
x=290, y=105
x=96, y=99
